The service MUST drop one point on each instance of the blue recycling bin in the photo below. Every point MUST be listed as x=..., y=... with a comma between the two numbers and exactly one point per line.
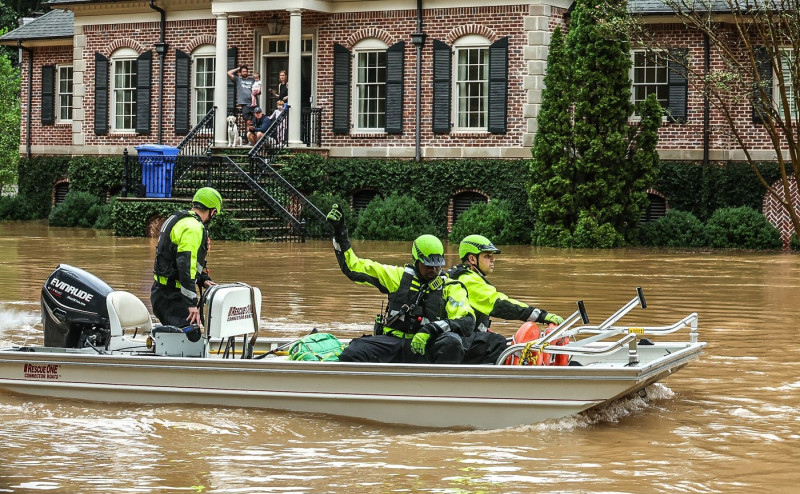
x=158, y=163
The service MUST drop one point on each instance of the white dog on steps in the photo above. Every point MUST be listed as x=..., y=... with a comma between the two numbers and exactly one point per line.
x=233, y=132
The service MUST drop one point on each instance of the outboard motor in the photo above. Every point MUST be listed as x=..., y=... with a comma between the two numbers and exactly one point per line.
x=74, y=311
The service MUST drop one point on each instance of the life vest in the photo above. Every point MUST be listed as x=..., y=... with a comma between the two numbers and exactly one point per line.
x=409, y=308
x=167, y=251
x=482, y=321
x=530, y=332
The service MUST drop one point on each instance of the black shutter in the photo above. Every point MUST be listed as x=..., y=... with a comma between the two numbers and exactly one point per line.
x=395, y=56
x=183, y=92
x=341, y=89
x=233, y=54
x=48, y=94
x=764, y=68
x=442, y=66
x=678, y=93
x=100, y=94
x=498, y=86
x=143, y=84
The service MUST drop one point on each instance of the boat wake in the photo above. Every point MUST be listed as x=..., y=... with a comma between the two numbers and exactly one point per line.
x=610, y=413
x=17, y=326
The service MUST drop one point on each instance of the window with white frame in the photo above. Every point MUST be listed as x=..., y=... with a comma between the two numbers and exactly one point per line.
x=650, y=74
x=787, y=62
x=369, y=110
x=64, y=96
x=123, y=90
x=204, y=61
x=471, y=82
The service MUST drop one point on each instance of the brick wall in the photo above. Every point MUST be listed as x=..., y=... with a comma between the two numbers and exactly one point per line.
x=57, y=134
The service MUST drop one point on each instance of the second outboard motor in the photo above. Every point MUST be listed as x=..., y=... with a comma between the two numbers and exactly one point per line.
x=74, y=312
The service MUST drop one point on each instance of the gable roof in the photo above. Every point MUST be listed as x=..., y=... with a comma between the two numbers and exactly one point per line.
x=54, y=24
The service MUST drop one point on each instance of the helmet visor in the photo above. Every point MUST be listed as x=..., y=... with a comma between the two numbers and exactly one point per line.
x=433, y=260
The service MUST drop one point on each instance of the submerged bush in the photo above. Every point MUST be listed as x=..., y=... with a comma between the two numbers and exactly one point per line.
x=495, y=220
x=78, y=209
x=16, y=208
x=318, y=227
x=742, y=227
x=394, y=218
x=225, y=227
x=675, y=229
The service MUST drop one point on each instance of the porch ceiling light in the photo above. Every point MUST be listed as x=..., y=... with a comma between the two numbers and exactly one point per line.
x=275, y=25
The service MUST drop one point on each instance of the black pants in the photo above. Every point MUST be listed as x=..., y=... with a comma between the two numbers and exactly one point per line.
x=446, y=348
x=169, y=306
x=483, y=347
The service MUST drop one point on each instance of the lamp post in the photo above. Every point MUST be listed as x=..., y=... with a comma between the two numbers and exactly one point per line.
x=418, y=39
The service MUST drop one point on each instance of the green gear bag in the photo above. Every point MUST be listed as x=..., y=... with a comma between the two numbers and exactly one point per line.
x=316, y=347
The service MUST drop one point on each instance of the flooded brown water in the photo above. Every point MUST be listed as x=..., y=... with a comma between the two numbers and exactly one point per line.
x=729, y=422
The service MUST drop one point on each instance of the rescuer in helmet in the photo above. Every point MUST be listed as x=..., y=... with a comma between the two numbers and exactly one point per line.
x=477, y=261
x=427, y=315
x=180, y=262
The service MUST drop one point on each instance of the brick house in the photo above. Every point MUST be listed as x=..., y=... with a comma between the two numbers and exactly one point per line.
x=392, y=79
x=478, y=93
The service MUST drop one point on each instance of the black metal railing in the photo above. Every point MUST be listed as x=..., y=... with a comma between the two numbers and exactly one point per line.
x=312, y=127
x=200, y=139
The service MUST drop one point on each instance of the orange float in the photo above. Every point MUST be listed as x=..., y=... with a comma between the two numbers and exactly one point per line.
x=530, y=332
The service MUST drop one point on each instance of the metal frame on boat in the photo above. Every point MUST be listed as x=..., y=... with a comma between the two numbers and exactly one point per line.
x=607, y=362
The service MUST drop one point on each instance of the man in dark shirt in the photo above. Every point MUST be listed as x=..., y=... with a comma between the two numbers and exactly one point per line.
x=259, y=125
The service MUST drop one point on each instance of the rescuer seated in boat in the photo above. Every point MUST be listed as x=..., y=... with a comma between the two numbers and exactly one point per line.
x=477, y=261
x=427, y=315
x=180, y=262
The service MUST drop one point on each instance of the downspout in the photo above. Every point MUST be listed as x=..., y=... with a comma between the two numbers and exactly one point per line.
x=30, y=99
x=161, y=49
x=418, y=39
x=706, y=101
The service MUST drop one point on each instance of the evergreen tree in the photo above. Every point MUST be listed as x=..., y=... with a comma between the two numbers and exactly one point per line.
x=594, y=172
x=9, y=121
x=552, y=190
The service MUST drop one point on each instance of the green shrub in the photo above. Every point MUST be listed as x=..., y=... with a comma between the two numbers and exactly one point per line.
x=394, y=218
x=741, y=227
x=494, y=220
x=588, y=234
x=78, y=209
x=675, y=229
x=103, y=221
x=225, y=227
x=130, y=218
x=793, y=243
x=17, y=208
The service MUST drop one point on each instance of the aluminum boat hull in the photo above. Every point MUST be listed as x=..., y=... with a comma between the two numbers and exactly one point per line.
x=437, y=396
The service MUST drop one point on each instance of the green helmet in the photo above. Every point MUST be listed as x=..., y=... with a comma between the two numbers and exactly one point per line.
x=209, y=198
x=475, y=244
x=428, y=250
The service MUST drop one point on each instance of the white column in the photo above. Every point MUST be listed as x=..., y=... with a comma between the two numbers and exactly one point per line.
x=221, y=82
x=295, y=75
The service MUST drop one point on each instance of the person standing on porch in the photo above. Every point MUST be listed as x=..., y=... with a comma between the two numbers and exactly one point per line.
x=283, y=90
x=244, y=92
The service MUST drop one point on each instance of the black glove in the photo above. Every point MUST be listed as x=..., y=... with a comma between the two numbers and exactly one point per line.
x=336, y=220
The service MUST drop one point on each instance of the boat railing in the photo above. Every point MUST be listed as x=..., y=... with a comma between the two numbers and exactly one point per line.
x=602, y=332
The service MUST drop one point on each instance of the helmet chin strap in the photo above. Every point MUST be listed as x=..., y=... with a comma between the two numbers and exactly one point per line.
x=476, y=265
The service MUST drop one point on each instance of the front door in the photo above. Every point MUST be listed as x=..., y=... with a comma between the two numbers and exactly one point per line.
x=275, y=57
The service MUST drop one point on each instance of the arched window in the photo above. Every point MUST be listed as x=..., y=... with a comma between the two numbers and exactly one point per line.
x=465, y=200
x=203, y=64
x=369, y=88
x=471, y=82
x=123, y=90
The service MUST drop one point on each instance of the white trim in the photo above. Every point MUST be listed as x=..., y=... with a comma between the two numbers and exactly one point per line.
x=121, y=55
x=470, y=42
x=205, y=52
x=367, y=45
x=58, y=106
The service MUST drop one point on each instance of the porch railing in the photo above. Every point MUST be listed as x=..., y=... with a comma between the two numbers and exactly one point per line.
x=312, y=127
x=200, y=139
